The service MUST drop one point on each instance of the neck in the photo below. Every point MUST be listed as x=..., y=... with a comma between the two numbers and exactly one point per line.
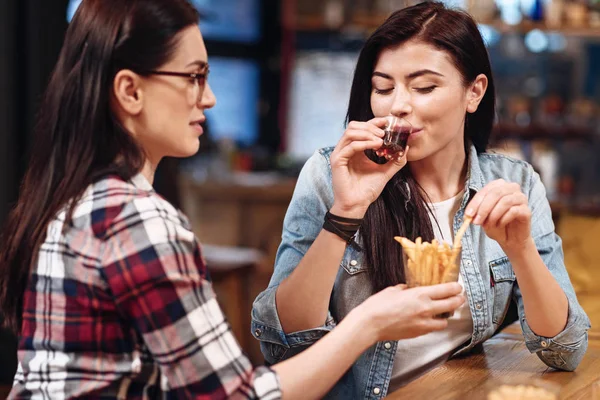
x=148, y=171
x=442, y=175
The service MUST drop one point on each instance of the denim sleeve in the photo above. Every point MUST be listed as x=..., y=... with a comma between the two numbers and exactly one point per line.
x=313, y=196
x=565, y=350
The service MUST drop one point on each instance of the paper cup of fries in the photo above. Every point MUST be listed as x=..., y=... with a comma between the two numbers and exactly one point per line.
x=432, y=263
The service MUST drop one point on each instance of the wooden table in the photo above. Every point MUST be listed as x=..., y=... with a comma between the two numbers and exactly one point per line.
x=505, y=357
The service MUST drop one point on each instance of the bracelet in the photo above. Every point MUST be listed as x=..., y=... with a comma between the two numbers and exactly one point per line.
x=345, y=228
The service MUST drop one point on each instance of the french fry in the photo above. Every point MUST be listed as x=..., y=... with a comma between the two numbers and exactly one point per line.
x=429, y=264
x=435, y=263
x=418, y=261
x=407, y=246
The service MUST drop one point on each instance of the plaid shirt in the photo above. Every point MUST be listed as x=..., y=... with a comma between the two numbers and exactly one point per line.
x=119, y=305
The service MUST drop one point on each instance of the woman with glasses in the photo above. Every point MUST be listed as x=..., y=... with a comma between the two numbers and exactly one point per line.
x=102, y=279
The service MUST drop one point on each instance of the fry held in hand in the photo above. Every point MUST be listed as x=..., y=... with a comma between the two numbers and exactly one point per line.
x=432, y=263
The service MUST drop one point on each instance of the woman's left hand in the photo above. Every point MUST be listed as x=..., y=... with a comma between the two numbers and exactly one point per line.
x=503, y=212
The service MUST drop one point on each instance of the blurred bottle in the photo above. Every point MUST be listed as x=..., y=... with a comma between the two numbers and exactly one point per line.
x=484, y=11
x=510, y=12
x=334, y=14
x=594, y=13
x=519, y=110
x=583, y=113
x=533, y=10
x=576, y=12
x=551, y=111
x=554, y=13
x=546, y=161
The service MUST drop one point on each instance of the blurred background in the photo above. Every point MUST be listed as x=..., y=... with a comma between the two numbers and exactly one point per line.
x=281, y=70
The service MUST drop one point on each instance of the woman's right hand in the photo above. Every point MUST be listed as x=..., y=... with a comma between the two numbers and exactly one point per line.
x=358, y=181
x=399, y=313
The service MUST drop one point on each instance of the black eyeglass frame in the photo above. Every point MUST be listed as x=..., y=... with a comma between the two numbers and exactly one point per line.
x=190, y=75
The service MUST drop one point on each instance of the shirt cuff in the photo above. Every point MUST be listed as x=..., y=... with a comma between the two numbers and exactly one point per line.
x=566, y=349
x=266, y=384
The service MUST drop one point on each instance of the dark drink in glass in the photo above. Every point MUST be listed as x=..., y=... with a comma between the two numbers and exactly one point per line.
x=396, y=136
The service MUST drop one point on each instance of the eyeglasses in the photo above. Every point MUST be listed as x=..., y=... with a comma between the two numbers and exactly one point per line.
x=198, y=79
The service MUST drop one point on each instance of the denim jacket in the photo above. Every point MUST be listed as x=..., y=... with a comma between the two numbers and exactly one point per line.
x=488, y=275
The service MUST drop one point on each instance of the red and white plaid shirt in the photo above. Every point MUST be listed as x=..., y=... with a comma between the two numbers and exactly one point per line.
x=119, y=305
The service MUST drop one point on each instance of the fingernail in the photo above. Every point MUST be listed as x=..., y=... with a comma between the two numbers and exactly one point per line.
x=477, y=220
x=469, y=212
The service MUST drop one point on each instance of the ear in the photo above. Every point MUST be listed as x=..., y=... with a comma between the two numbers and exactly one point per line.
x=476, y=92
x=128, y=91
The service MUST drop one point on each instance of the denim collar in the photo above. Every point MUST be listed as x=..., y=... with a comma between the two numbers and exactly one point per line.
x=474, y=180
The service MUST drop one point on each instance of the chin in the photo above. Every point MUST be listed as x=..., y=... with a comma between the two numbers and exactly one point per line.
x=188, y=151
x=414, y=155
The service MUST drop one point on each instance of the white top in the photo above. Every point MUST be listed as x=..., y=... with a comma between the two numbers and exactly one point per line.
x=416, y=356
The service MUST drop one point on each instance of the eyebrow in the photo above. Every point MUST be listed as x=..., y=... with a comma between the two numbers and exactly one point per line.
x=199, y=63
x=412, y=75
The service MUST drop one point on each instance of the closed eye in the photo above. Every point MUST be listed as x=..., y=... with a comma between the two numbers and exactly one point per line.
x=425, y=90
x=383, y=91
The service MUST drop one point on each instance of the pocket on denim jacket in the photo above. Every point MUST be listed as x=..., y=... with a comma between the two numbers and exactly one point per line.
x=353, y=261
x=503, y=278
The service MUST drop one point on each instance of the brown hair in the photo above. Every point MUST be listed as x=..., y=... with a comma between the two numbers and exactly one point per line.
x=401, y=209
x=78, y=138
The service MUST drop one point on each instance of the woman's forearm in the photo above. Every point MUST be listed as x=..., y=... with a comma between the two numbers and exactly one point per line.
x=546, y=305
x=303, y=297
x=313, y=372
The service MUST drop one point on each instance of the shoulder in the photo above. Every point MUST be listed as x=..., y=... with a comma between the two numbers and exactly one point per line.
x=318, y=166
x=112, y=204
x=317, y=169
x=498, y=166
x=325, y=152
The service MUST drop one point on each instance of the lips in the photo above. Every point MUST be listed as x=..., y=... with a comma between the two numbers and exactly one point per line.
x=197, y=125
x=415, y=132
x=199, y=121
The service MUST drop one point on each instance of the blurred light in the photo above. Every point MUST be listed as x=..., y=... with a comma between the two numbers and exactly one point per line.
x=73, y=6
x=513, y=46
x=455, y=4
x=534, y=86
x=523, y=119
x=536, y=41
x=510, y=11
x=490, y=35
x=527, y=6
x=556, y=42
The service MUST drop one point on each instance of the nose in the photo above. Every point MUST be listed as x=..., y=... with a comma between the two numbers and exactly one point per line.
x=401, y=106
x=207, y=99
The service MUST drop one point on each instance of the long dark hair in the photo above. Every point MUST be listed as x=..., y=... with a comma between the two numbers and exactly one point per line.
x=78, y=138
x=401, y=209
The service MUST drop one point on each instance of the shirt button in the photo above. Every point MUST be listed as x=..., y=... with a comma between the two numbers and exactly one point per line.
x=478, y=306
x=468, y=262
x=353, y=263
x=257, y=333
x=387, y=345
x=544, y=343
x=376, y=390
